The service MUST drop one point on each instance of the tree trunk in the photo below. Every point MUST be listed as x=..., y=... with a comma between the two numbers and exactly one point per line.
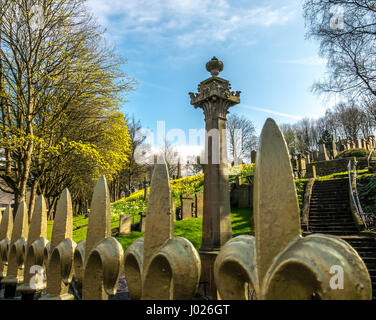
x=33, y=194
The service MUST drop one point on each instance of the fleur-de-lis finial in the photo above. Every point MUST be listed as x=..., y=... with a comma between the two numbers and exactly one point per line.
x=6, y=228
x=60, y=257
x=99, y=258
x=279, y=263
x=161, y=266
x=17, y=247
x=36, y=244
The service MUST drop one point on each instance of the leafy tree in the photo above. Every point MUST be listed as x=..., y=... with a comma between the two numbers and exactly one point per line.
x=56, y=70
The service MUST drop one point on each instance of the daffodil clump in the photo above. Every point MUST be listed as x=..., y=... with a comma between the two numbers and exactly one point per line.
x=135, y=203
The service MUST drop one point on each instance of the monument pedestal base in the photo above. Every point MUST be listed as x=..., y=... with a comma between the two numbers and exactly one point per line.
x=207, y=287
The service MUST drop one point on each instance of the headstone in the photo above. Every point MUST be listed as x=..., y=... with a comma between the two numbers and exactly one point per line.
x=364, y=144
x=145, y=185
x=179, y=169
x=308, y=158
x=302, y=166
x=334, y=147
x=173, y=206
x=142, y=221
x=323, y=155
x=199, y=204
x=186, y=206
x=253, y=156
x=125, y=224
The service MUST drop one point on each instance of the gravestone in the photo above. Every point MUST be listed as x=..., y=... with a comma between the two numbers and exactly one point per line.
x=302, y=166
x=364, y=144
x=125, y=224
x=253, y=156
x=142, y=221
x=308, y=158
x=334, y=147
x=186, y=206
x=199, y=206
x=323, y=155
x=173, y=206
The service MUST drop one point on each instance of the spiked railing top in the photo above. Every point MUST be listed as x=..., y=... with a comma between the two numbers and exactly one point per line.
x=20, y=228
x=159, y=221
x=277, y=220
x=63, y=224
x=99, y=225
x=38, y=224
x=6, y=225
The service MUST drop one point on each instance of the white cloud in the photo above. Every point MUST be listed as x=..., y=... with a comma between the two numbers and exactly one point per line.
x=277, y=113
x=186, y=22
x=311, y=61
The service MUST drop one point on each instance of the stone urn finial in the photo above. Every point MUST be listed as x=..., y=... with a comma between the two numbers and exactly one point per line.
x=214, y=66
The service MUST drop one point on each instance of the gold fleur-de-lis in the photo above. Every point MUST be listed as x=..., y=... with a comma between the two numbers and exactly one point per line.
x=6, y=227
x=36, y=244
x=161, y=266
x=59, y=256
x=98, y=259
x=278, y=263
x=17, y=249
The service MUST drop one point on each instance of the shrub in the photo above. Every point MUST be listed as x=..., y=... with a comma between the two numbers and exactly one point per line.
x=353, y=153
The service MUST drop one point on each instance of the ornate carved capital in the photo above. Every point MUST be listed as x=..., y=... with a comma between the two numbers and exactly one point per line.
x=214, y=94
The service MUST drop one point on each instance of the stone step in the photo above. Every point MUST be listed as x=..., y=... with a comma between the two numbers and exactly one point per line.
x=335, y=232
x=322, y=215
x=332, y=229
x=329, y=191
x=330, y=218
x=331, y=224
x=334, y=200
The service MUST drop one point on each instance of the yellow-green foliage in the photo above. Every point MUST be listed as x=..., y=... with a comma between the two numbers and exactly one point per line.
x=190, y=185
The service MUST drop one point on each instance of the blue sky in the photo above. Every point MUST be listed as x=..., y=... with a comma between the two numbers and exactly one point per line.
x=261, y=43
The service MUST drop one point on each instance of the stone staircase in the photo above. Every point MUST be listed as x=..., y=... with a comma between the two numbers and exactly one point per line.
x=330, y=213
x=329, y=209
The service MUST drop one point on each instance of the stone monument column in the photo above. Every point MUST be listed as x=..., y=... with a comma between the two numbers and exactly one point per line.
x=215, y=98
